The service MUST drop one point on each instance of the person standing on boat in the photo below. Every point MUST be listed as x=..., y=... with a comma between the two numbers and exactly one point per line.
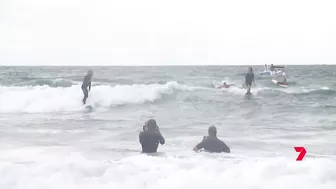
x=265, y=68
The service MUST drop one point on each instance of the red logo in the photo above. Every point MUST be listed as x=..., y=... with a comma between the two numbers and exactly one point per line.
x=302, y=154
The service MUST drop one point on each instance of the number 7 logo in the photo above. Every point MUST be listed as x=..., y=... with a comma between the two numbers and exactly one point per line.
x=302, y=154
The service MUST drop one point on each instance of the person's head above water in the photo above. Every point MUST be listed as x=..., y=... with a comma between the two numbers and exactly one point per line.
x=250, y=69
x=151, y=125
x=224, y=83
x=212, y=131
x=90, y=73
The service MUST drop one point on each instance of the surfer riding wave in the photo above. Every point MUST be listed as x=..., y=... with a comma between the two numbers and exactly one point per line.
x=249, y=78
x=87, y=84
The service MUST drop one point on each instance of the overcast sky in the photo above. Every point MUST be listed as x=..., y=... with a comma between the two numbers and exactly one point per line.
x=161, y=32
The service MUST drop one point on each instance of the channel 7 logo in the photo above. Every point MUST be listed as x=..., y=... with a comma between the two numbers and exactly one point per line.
x=302, y=152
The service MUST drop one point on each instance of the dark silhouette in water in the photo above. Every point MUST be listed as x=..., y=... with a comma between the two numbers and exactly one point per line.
x=86, y=84
x=211, y=143
x=150, y=137
x=249, y=78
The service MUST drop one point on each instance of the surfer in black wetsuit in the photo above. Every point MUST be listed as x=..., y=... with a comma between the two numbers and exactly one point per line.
x=249, y=78
x=150, y=137
x=86, y=84
x=211, y=143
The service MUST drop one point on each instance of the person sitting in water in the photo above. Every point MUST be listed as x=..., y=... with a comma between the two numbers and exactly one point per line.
x=211, y=143
x=86, y=84
x=225, y=85
x=150, y=137
x=284, y=82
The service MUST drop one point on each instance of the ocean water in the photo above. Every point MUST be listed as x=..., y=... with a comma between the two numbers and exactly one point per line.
x=49, y=140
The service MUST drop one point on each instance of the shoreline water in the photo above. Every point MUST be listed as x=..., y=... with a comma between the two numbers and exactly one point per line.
x=48, y=140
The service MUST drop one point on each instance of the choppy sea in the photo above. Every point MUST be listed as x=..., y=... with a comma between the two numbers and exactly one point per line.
x=49, y=140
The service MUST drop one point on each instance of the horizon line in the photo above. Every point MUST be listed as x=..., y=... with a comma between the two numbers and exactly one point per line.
x=157, y=65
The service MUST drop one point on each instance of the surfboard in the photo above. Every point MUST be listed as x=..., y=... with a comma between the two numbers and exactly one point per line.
x=228, y=86
x=88, y=107
x=248, y=96
x=276, y=82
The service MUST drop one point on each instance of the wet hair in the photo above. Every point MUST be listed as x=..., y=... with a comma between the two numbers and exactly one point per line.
x=151, y=125
x=212, y=131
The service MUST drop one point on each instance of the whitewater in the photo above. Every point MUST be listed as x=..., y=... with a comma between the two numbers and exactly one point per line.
x=49, y=140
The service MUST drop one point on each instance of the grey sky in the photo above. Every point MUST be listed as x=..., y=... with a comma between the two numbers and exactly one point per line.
x=175, y=32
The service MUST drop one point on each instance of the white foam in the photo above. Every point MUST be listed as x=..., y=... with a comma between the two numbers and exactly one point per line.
x=48, y=99
x=299, y=90
x=62, y=169
x=238, y=90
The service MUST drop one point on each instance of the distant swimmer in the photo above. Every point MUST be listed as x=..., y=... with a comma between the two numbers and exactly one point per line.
x=86, y=84
x=249, y=78
x=225, y=85
x=211, y=143
x=150, y=137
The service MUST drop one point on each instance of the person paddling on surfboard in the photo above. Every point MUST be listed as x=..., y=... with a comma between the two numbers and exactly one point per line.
x=249, y=78
x=284, y=82
x=225, y=85
x=86, y=84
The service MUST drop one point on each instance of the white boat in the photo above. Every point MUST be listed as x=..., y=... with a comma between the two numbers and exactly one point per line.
x=272, y=73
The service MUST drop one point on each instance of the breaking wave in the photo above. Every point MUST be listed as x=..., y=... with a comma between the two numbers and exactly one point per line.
x=37, y=99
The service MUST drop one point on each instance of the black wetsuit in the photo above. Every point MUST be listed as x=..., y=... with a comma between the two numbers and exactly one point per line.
x=85, y=85
x=213, y=144
x=249, y=77
x=150, y=141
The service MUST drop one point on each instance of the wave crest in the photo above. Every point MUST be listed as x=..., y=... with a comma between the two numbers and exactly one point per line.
x=37, y=99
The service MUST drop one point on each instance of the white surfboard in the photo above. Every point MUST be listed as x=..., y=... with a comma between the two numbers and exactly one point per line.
x=276, y=82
